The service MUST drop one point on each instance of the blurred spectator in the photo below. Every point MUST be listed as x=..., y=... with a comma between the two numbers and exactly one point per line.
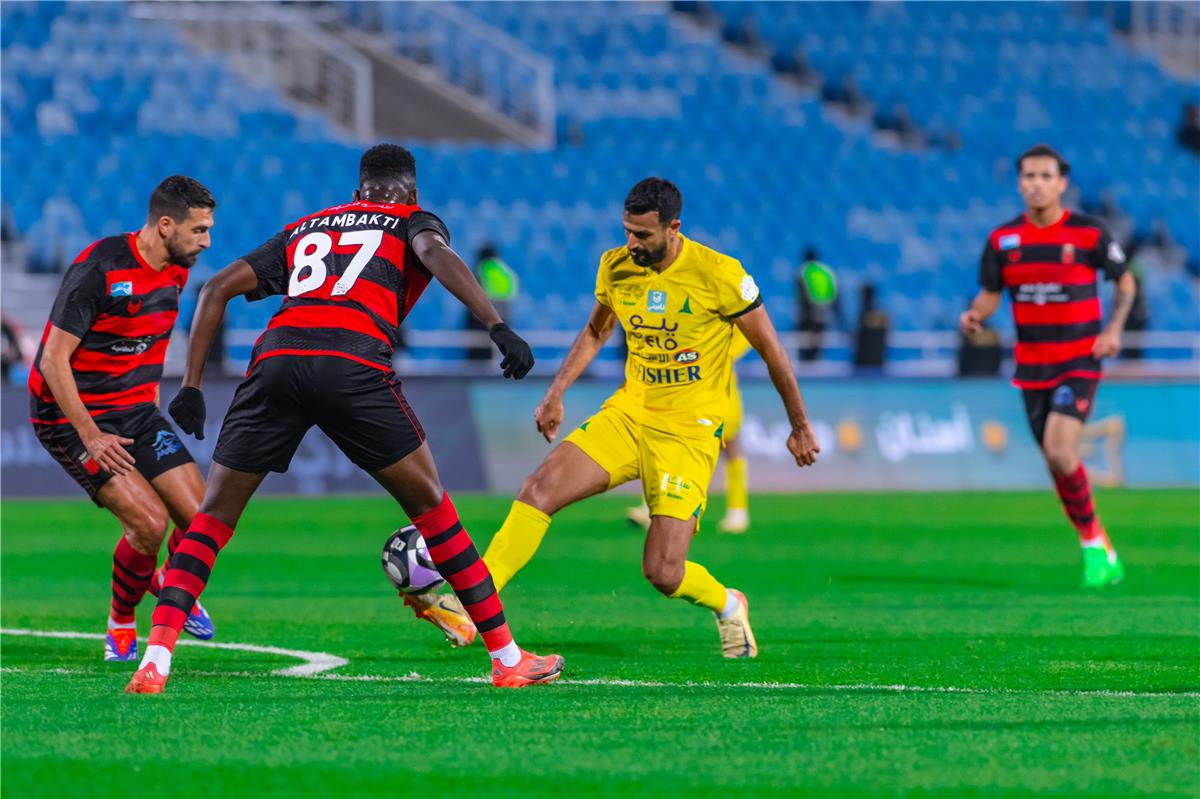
x=10, y=349
x=1189, y=128
x=501, y=286
x=816, y=300
x=871, y=346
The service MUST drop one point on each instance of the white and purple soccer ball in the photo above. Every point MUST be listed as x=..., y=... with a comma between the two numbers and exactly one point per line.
x=407, y=564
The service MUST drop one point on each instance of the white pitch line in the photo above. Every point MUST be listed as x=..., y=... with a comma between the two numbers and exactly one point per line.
x=317, y=663
x=314, y=662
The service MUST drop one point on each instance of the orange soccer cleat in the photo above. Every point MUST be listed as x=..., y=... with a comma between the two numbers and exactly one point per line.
x=531, y=669
x=445, y=612
x=146, y=680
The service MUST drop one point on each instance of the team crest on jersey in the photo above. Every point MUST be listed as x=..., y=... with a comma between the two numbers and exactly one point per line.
x=122, y=289
x=1068, y=254
x=166, y=443
x=1010, y=241
x=656, y=302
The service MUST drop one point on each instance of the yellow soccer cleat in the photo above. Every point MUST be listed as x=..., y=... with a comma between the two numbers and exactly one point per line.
x=445, y=612
x=737, y=639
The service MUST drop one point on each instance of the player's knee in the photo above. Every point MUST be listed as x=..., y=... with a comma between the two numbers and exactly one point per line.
x=1061, y=459
x=146, y=529
x=536, y=490
x=664, y=575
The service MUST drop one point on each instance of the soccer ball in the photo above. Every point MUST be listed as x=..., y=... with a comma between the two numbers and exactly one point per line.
x=407, y=564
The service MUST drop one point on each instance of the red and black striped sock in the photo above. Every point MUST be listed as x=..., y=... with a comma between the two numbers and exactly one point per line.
x=188, y=572
x=131, y=576
x=451, y=549
x=1076, y=495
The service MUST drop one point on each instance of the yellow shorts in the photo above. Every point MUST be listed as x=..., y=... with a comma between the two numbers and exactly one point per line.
x=675, y=471
x=733, y=419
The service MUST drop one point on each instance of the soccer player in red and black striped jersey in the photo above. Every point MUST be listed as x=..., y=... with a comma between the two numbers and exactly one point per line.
x=94, y=387
x=1049, y=260
x=350, y=274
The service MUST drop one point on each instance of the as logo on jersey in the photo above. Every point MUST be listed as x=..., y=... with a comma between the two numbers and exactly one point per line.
x=1010, y=241
x=656, y=302
x=122, y=289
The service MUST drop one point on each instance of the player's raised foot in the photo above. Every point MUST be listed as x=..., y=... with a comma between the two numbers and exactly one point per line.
x=737, y=639
x=445, y=612
x=1101, y=567
x=120, y=645
x=198, y=624
x=531, y=669
x=146, y=680
x=638, y=515
x=736, y=521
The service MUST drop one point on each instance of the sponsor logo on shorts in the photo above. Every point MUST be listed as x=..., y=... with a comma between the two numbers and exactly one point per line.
x=1063, y=395
x=89, y=465
x=166, y=443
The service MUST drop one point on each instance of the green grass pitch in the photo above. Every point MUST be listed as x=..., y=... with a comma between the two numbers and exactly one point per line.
x=862, y=605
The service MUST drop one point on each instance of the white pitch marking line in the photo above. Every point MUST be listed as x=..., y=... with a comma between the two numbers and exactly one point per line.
x=317, y=663
x=314, y=662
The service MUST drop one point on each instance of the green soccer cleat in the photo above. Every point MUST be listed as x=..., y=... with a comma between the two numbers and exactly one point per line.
x=1099, y=569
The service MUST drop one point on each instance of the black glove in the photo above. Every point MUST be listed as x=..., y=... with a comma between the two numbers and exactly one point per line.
x=518, y=358
x=187, y=409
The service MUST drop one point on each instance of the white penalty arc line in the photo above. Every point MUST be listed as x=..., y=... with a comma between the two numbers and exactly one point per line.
x=316, y=664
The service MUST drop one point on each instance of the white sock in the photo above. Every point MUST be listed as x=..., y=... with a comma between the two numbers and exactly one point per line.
x=731, y=605
x=160, y=656
x=509, y=655
x=113, y=624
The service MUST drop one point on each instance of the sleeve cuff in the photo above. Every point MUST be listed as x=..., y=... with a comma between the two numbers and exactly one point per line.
x=758, y=301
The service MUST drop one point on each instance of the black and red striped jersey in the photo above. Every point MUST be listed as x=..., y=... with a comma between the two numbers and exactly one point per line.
x=123, y=311
x=350, y=278
x=1051, y=273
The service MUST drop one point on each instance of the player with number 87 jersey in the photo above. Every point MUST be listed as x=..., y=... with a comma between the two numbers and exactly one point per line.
x=350, y=274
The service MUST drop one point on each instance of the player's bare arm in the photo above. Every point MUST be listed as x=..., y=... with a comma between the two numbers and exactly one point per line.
x=756, y=326
x=982, y=307
x=600, y=325
x=445, y=265
x=187, y=409
x=106, y=449
x=1108, y=343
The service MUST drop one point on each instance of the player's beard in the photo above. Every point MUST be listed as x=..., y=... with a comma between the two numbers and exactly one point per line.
x=649, y=257
x=180, y=256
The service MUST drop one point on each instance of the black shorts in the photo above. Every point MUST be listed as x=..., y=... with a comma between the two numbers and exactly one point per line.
x=1072, y=397
x=361, y=409
x=156, y=447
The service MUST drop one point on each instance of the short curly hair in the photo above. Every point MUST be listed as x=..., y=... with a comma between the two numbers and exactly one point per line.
x=387, y=162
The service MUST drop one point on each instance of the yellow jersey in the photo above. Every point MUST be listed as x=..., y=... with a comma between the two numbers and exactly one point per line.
x=679, y=329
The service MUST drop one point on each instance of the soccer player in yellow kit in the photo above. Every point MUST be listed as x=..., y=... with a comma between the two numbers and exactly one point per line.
x=679, y=303
x=737, y=477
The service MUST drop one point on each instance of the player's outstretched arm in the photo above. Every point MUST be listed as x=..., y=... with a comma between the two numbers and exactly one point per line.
x=756, y=326
x=444, y=264
x=599, y=328
x=982, y=307
x=106, y=449
x=187, y=409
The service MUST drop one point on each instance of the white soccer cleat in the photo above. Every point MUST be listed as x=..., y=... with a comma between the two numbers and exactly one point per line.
x=639, y=515
x=736, y=521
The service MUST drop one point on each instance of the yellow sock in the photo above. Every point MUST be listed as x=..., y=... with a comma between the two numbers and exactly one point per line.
x=513, y=546
x=737, y=484
x=700, y=588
